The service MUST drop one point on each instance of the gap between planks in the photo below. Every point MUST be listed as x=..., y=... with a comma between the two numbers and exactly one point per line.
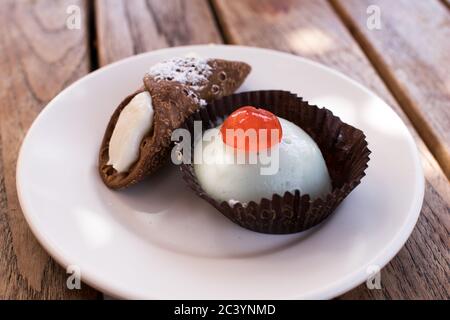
x=92, y=34
x=217, y=21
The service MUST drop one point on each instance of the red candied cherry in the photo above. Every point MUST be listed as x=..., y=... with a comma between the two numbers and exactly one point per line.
x=249, y=124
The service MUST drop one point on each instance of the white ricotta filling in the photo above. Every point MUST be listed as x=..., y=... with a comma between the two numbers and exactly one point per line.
x=134, y=122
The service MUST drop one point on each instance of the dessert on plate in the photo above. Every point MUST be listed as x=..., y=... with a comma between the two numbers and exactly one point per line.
x=137, y=140
x=267, y=160
x=313, y=160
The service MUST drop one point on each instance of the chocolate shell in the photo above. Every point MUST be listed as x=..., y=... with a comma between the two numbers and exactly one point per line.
x=344, y=149
x=173, y=101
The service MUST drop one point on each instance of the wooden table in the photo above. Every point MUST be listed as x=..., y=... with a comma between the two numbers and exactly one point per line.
x=406, y=62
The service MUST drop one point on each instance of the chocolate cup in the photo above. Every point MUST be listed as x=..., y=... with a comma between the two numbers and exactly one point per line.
x=344, y=149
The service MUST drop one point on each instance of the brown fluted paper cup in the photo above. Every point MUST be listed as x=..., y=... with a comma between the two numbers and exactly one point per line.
x=344, y=149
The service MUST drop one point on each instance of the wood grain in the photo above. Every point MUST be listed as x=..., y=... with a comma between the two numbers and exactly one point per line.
x=39, y=56
x=125, y=27
x=411, y=52
x=312, y=29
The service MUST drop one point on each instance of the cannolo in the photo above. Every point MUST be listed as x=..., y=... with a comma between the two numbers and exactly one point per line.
x=137, y=140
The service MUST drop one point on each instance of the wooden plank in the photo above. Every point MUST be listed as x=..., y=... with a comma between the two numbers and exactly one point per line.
x=447, y=3
x=125, y=27
x=411, y=52
x=313, y=30
x=39, y=56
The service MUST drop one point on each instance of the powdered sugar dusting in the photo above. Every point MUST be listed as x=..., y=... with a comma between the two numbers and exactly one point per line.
x=190, y=71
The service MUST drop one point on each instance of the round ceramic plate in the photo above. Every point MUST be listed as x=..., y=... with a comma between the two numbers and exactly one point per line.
x=158, y=240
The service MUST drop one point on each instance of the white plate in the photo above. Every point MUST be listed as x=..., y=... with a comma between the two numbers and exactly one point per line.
x=157, y=240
